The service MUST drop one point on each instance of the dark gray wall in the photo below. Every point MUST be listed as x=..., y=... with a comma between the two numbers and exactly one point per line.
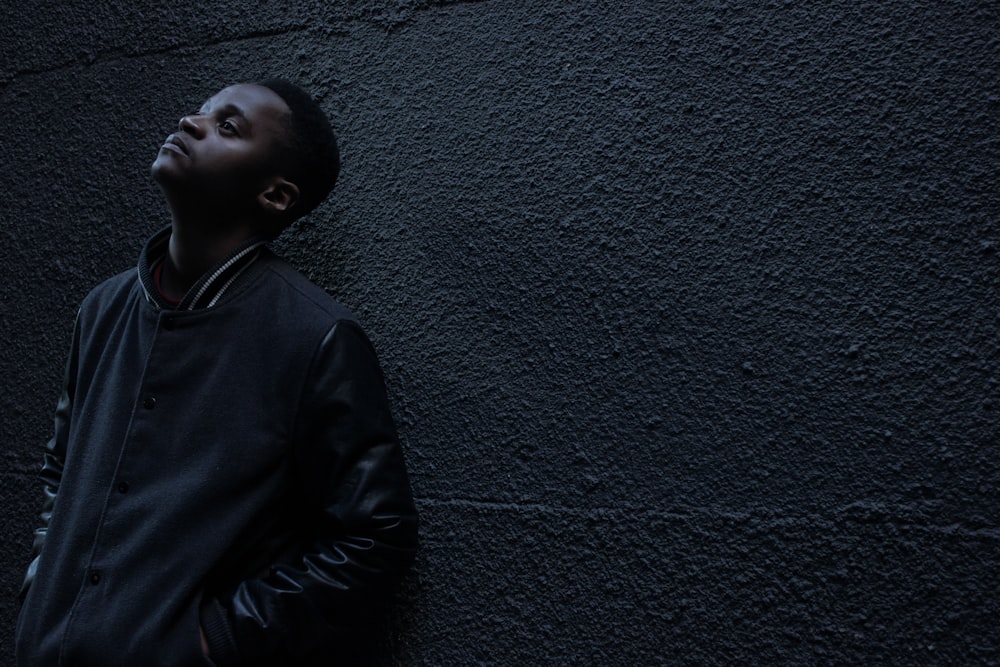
x=688, y=310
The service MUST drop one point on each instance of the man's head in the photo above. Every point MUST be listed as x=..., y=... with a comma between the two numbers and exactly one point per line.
x=261, y=153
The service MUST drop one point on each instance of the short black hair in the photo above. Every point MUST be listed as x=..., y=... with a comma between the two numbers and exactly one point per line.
x=313, y=158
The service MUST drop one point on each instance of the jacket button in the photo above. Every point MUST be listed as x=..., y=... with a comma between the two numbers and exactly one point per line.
x=149, y=403
x=95, y=577
x=122, y=487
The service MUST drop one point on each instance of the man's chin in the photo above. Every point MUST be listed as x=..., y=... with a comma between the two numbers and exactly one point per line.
x=163, y=172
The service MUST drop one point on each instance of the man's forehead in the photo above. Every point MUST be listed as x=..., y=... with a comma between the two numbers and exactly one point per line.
x=248, y=99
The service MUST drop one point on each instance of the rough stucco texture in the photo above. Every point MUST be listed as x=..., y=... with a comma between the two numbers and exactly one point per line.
x=688, y=310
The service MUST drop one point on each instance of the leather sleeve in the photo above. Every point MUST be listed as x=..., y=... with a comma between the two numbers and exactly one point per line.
x=52, y=465
x=352, y=473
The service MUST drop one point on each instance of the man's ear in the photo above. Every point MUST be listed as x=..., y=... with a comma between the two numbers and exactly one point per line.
x=279, y=196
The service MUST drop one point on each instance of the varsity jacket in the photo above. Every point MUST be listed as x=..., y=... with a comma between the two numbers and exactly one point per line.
x=229, y=463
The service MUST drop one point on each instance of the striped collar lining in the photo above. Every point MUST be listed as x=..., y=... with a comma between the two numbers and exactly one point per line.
x=207, y=291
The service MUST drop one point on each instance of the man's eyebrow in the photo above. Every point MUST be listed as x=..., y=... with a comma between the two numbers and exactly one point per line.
x=229, y=109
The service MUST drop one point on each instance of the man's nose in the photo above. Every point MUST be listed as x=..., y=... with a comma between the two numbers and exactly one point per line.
x=190, y=125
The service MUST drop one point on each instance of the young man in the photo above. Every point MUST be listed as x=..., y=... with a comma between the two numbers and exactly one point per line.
x=224, y=485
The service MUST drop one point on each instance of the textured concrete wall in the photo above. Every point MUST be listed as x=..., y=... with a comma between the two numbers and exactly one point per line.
x=688, y=310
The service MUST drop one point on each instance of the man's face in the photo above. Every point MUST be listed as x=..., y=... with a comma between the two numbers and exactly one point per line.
x=223, y=154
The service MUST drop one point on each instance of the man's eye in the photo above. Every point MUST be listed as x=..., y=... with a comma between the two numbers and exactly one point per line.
x=228, y=126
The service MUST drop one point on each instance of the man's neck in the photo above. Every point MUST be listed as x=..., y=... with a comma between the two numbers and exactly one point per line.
x=194, y=249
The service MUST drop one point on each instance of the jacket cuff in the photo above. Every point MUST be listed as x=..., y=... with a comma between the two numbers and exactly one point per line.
x=218, y=634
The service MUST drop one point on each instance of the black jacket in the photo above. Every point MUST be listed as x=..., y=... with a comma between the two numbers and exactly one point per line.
x=231, y=463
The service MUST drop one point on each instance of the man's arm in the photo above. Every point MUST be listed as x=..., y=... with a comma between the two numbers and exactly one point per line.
x=52, y=466
x=352, y=471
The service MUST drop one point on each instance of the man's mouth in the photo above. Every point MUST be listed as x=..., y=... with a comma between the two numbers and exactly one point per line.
x=175, y=143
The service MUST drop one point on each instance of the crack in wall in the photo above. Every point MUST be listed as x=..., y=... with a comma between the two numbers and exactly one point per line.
x=391, y=22
x=121, y=54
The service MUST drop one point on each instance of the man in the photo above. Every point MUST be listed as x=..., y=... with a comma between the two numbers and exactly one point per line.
x=224, y=485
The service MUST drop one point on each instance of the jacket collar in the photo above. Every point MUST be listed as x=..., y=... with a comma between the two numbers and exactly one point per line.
x=207, y=291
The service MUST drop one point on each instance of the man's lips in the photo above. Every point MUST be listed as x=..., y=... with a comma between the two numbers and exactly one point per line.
x=176, y=144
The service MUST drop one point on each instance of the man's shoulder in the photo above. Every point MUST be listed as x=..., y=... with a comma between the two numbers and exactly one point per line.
x=112, y=290
x=303, y=297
